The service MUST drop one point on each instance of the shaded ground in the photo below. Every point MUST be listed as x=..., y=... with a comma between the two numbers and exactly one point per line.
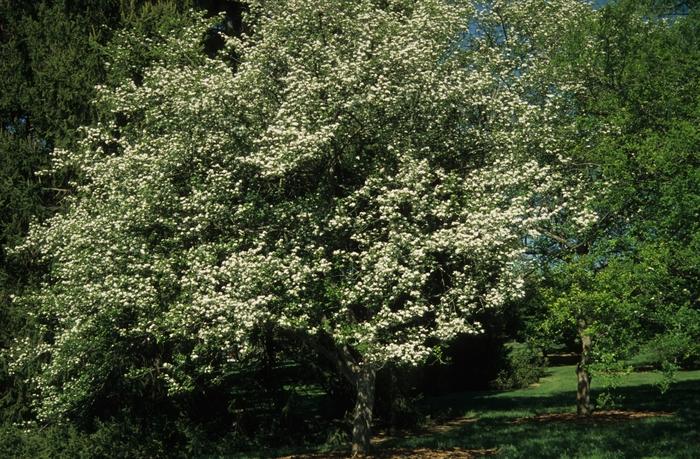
x=540, y=422
x=398, y=453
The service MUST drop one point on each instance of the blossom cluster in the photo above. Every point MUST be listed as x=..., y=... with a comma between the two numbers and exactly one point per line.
x=360, y=175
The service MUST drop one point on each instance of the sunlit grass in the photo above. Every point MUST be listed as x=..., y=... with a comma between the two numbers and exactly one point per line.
x=503, y=420
x=495, y=412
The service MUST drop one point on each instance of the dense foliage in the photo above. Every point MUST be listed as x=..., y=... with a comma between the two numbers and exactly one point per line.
x=634, y=282
x=339, y=187
x=52, y=56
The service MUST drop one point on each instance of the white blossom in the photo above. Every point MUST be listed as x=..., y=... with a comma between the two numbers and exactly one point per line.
x=359, y=175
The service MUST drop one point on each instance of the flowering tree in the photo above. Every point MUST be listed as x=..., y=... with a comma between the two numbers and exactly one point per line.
x=362, y=178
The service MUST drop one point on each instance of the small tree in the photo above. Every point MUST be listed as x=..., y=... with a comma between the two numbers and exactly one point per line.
x=361, y=178
x=633, y=281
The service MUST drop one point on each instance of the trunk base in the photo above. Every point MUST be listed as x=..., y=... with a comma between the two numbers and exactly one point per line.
x=583, y=390
x=362, y=416
x=583, y=393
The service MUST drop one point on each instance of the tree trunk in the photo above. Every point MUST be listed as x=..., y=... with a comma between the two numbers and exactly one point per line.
x=583, y=391
x=362, y=416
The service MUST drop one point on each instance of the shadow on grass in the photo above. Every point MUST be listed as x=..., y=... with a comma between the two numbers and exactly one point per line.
x=663, y=436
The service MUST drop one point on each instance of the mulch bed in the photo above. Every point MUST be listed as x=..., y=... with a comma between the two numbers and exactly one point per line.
x=597, y=416
x=442, y=427
x=417, y=453
x=459, y=453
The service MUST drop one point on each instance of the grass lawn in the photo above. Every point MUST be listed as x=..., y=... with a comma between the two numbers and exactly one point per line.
x=500, y=420
x=515, y=423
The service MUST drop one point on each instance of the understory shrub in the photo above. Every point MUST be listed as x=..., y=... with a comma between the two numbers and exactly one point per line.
x=523, y=364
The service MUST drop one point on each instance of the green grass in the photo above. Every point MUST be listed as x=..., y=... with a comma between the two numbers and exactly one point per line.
x=676, y=436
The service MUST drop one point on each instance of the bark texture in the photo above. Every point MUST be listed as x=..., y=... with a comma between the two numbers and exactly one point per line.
x=583, y=391
x=362, y=416
x=362, y=376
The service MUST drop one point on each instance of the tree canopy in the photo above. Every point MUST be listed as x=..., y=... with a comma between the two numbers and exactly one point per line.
x=369, y=193
x=366, y=178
